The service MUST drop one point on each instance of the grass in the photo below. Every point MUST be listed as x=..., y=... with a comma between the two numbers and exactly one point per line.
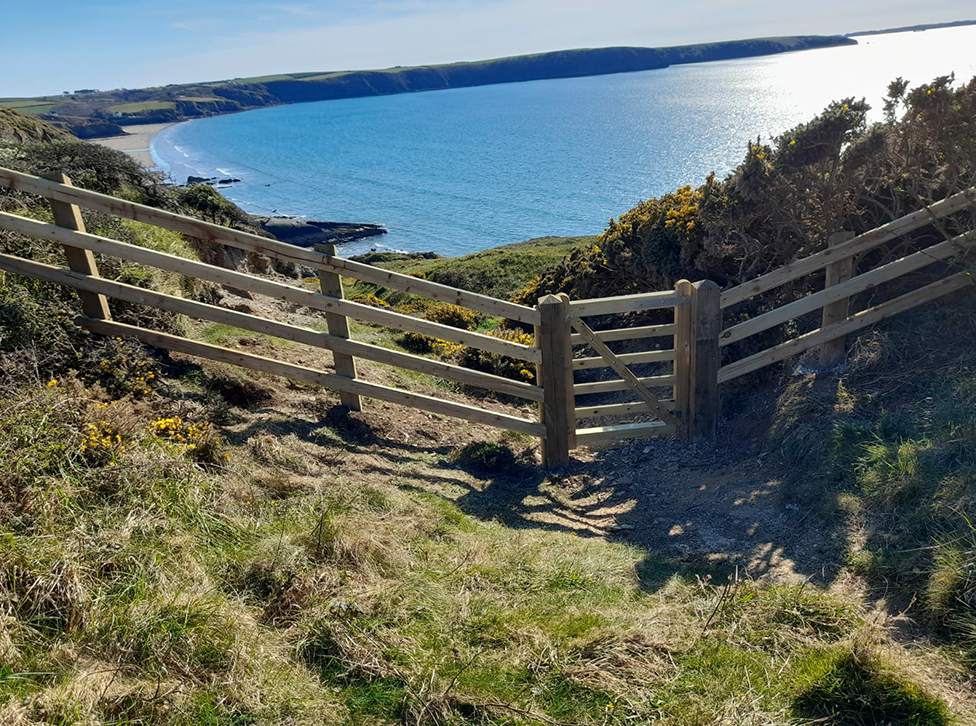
x=29, y=106
x=201, y=99
x=297, y=565
x=853, y=689
x=264, y=79
x=222, y=334
x=276, y=587
x=500, y=271
x=894, y=440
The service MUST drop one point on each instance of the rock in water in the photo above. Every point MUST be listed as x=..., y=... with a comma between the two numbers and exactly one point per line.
x=308, y=233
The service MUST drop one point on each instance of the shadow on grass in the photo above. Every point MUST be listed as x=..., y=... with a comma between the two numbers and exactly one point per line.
x=696, y=510
x=856, y=690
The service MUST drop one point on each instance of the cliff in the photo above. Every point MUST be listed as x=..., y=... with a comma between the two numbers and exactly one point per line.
x=102, y=113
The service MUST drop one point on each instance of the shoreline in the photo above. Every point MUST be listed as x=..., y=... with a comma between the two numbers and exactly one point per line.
x=136, y=142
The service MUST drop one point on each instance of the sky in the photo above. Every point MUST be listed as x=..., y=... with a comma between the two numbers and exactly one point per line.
x=52, y=46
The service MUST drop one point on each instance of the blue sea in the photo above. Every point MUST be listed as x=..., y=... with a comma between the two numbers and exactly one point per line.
x=462, y=170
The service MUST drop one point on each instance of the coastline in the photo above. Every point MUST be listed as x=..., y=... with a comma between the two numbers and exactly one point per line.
x=136, y=142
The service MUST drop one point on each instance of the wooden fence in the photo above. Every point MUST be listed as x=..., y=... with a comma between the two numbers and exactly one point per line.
x=693, y=331
x=842, y=281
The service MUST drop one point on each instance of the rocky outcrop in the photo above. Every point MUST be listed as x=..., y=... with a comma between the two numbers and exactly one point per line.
x=84, y=127
x=308, y=233
x=19, y=128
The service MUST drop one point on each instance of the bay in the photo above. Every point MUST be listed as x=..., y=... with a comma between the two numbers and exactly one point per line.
x=462, y=170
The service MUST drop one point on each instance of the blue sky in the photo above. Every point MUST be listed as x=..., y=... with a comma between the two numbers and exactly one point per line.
x=69, y=44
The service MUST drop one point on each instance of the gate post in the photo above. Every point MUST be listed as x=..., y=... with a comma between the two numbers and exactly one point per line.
x=555, y=373
x=682, y=361
x=698, y=324
x=706, y=320
x=832, y=353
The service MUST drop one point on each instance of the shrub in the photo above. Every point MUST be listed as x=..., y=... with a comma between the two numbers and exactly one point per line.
x=787, y=196
x=197, y=441
x=453, y=315
x=368, y=298
x=99, y=169
x=121, y=367
x=425, y=344
x=501, y=365
x=483, y=457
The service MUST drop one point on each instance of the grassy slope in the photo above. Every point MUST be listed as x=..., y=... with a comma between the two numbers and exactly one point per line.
x=18, y=127
x=887, y=453
x=500, y=271
x=296, y=565
x=326, y=571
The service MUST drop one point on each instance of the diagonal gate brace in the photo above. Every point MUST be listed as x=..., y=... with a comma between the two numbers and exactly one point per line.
x=622, y=370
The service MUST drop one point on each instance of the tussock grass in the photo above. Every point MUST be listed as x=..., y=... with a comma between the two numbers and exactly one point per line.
x=145, y=588
x=891, y=443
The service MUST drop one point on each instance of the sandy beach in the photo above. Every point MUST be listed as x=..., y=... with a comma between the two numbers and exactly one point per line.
x=135, y=143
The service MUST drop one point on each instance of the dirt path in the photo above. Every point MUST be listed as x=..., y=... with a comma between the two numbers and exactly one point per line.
x=711, y=505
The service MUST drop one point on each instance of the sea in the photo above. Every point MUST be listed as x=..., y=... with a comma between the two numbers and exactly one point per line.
x=462, y=170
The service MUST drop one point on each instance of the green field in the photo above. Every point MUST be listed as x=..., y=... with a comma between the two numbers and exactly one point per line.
x=32, y=106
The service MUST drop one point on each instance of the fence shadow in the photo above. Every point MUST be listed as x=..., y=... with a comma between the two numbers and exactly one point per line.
x=706, y=509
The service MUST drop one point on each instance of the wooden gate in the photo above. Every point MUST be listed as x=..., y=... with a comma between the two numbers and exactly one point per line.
x=687, y=343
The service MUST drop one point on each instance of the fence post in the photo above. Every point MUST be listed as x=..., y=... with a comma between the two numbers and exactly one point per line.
x=345, y=364
x=555, y=373
x=706, y=326
x=682, y=362
x=833, y=353
x=79, y=260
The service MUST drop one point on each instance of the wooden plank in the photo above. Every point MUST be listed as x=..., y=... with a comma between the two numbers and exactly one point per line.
x=588, y=389
x=649, y=356
x=609, y=336
x=264, y=246
x=624, y=431
x=280, y=291
x=873, y=278
x=616, y=409
x=682, y=362
x=706, y=315
x=626, y=303
x=80, y=260
x=315, y=377
x=256, y=324
x=556, y=411
x=833, y=352
x=345, y=365
x=862, y=243
x=622, y=370
x=857, y=321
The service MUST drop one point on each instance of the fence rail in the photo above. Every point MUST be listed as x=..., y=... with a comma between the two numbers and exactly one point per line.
x=842, y=282
x=675, y=387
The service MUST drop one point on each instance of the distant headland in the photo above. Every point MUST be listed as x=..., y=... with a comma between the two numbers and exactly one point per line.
x=90, y=113
x=913, y=28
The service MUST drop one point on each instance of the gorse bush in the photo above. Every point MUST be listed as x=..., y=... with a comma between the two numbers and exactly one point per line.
x=453, y=315
x=836, y=172
x=501, y=365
